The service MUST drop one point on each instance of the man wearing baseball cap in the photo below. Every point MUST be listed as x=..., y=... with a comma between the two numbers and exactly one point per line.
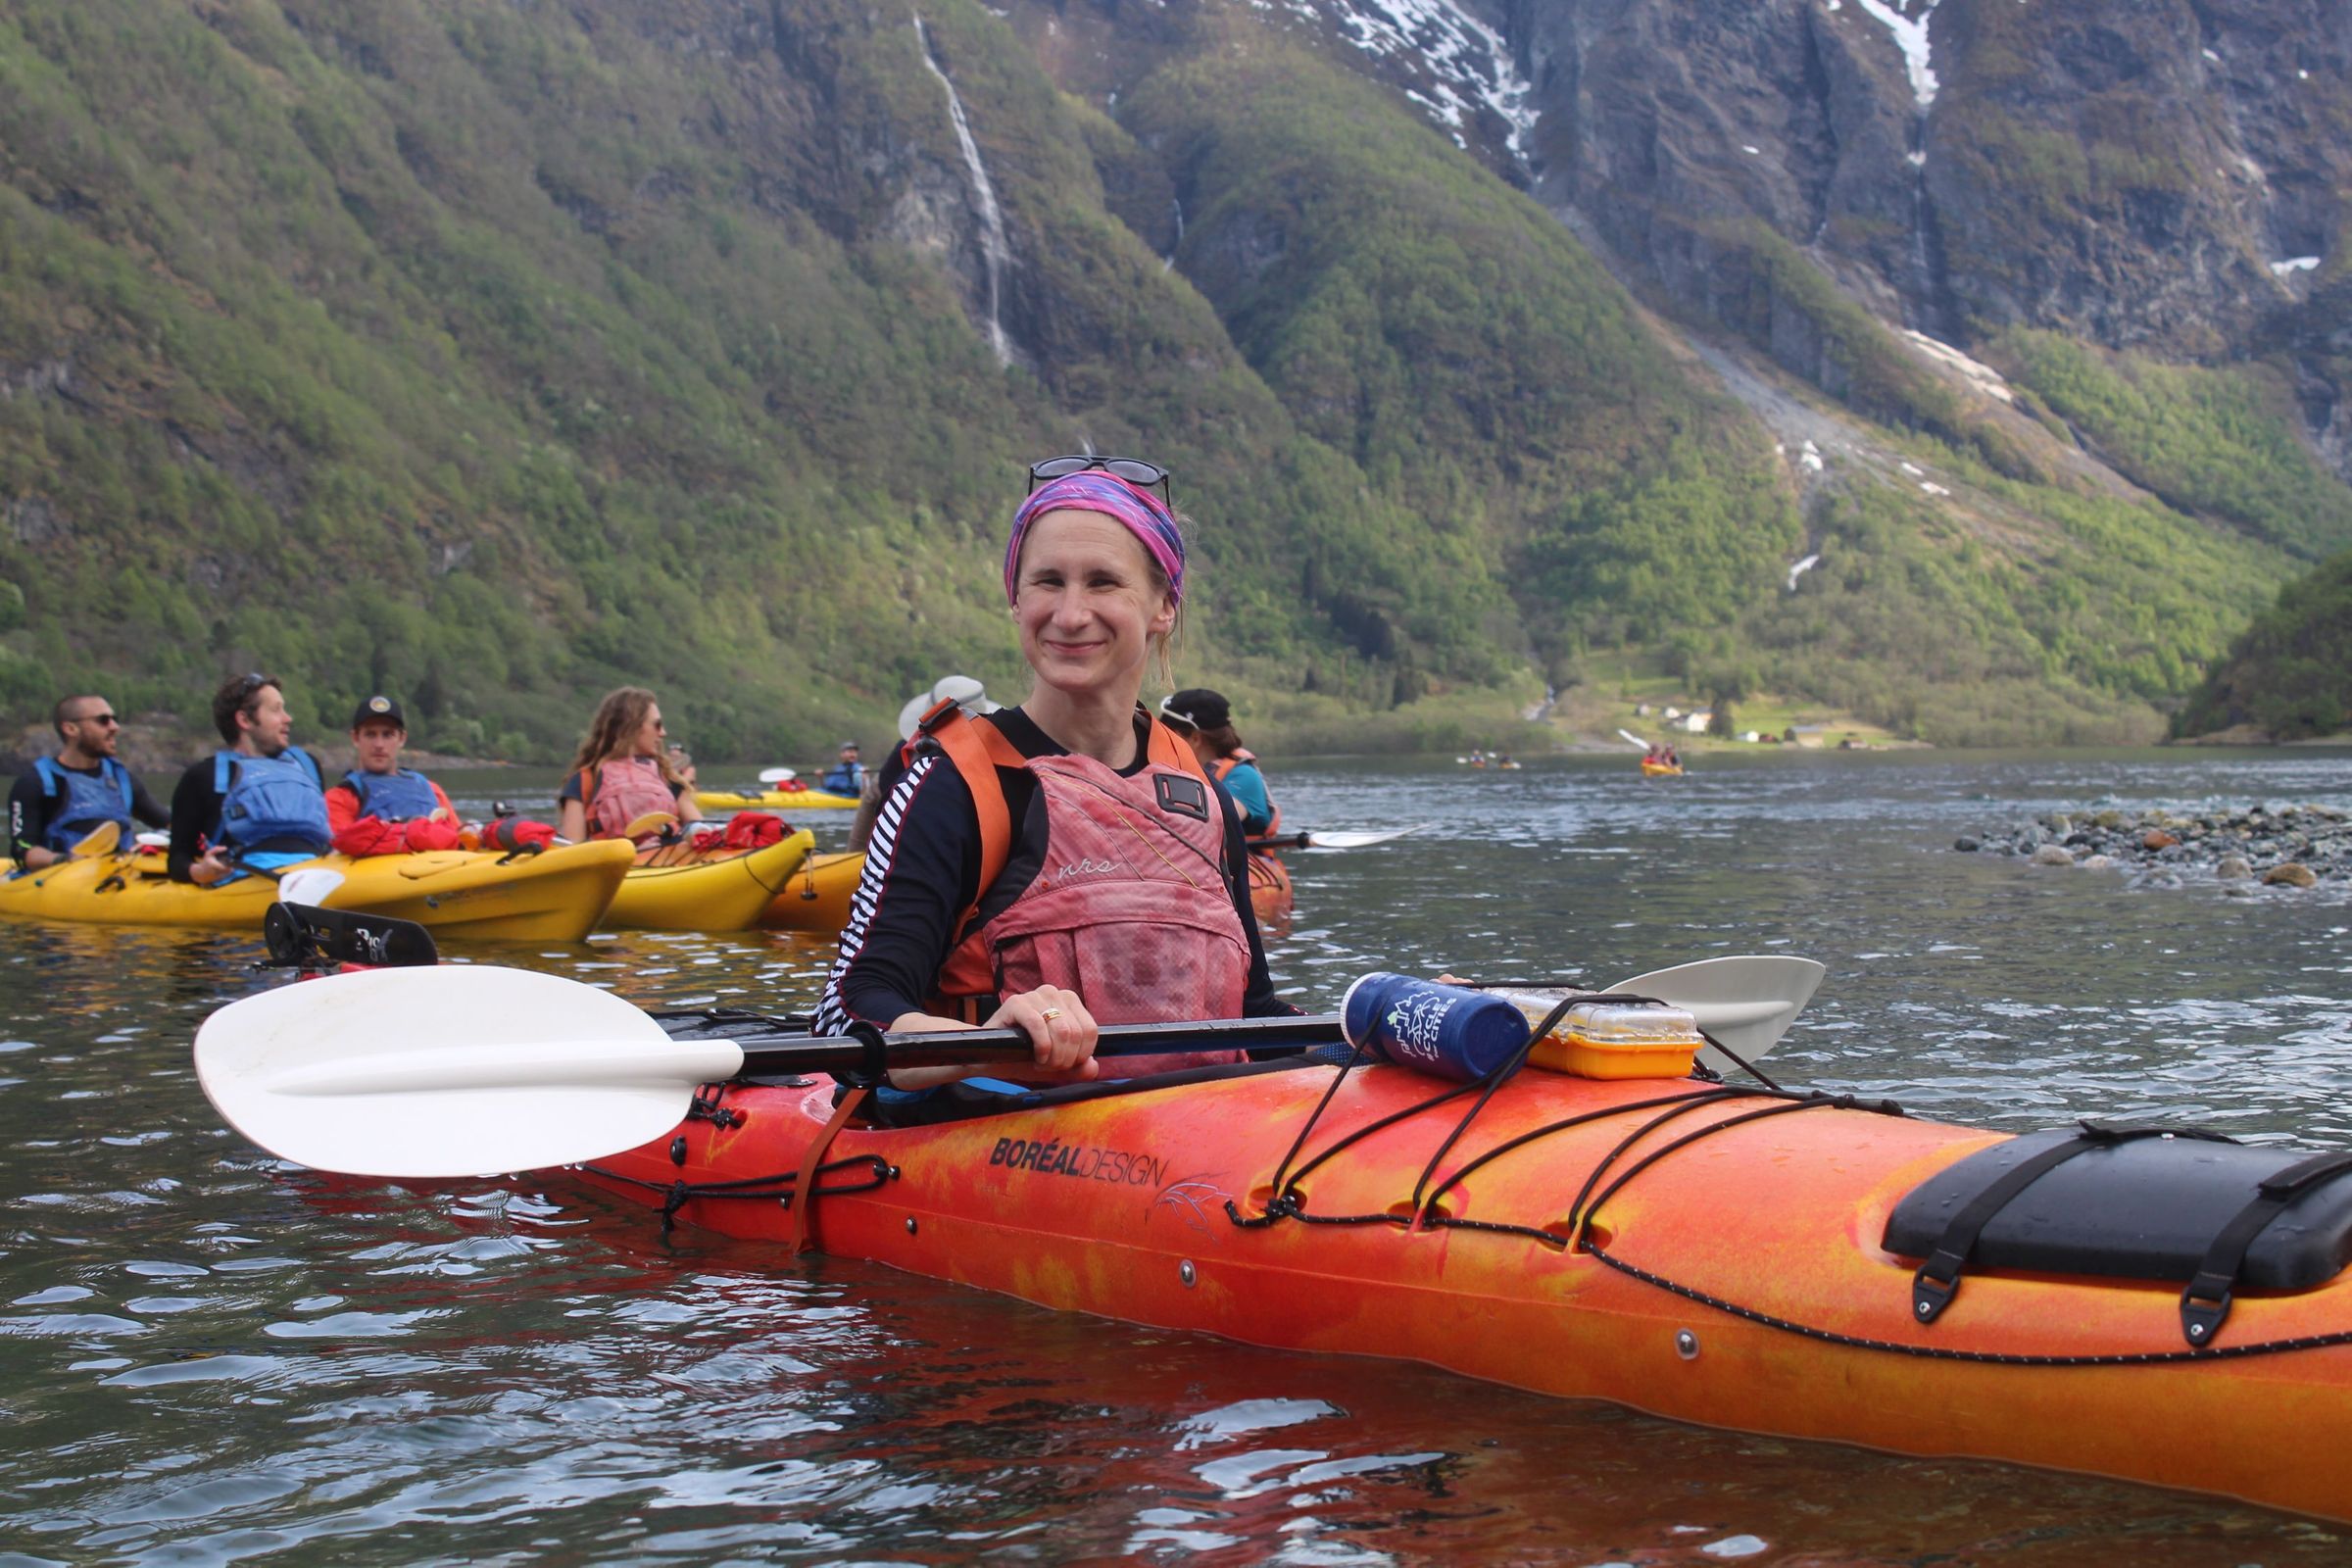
x=377, y=785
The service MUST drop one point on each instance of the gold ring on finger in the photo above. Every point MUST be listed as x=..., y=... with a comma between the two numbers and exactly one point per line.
x=1051, y=1014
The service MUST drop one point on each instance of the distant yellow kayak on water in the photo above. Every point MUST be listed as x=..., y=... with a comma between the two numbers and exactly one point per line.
x=557, y=895
x=1652, y=769
x=772, y=800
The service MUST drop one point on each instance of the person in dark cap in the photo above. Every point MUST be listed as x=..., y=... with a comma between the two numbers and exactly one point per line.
x=1205, y=718
x=377, y=785
x=845, y=776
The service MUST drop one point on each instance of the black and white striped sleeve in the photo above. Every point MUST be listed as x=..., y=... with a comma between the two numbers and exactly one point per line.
x=922, y=871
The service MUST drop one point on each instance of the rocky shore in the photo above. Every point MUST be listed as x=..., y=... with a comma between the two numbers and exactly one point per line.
x=2245, y=848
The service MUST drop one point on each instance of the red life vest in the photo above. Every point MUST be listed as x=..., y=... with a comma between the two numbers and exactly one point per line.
x=1226, y=764
x=1131, y=907
x=618, y=793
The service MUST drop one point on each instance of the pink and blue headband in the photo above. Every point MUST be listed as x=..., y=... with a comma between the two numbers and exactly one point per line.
x=1140, y=509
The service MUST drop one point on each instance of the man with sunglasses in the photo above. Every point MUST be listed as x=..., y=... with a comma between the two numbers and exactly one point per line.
x=65, y=798
x=256, y=803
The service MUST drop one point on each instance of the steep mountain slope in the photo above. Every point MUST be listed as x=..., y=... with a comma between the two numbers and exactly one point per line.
x=502, y=354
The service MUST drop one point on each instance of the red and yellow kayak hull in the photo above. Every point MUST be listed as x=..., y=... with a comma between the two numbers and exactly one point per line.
x=1117, y=1206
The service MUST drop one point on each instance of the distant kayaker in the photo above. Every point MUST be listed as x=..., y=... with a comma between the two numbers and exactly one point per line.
x=381, y=808
x=67, y=797
x=1067, y=862
x=257, y=802
x=622, y=772
x=1205, y=718
x=847, y=776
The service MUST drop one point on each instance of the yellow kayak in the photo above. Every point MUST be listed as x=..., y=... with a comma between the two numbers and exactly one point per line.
x=556, y=895
x=773, y=801
x=672, y=888
x=1661, y=770
x=817, y=900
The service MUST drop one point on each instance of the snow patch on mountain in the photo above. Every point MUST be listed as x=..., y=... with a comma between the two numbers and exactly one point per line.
x=1911, y=37
x=1464, y=65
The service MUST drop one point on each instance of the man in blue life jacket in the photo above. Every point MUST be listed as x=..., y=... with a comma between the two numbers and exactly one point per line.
x=257, y=802
x=377, y=785
x=67, y=797
x=847, y=775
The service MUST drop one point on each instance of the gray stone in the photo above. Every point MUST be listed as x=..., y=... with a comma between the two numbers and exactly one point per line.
x=1965, y=845
x=2233, y=868
x=2052, y=854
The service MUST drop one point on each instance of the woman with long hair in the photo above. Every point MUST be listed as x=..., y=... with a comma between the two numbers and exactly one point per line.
x=622, y=772
x=1067, y=862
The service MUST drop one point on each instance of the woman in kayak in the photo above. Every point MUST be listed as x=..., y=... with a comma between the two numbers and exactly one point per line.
x=1205, y=718
x=1065, y=861
x=622, y=772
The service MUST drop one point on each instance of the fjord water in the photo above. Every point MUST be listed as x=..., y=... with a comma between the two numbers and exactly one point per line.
x=209, y=1356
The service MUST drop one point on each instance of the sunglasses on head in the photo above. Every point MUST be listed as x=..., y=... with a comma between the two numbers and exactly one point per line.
x=1143, y=476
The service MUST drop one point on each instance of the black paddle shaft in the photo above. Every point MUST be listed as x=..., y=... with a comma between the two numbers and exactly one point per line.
x=864, y=1056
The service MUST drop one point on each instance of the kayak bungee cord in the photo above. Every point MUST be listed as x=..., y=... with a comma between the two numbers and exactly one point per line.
x=1285, y=1201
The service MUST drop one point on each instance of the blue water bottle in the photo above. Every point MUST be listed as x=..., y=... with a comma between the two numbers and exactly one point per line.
x=1446, y=1031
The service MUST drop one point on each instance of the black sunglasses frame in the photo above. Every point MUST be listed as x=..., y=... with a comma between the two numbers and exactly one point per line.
x=1134, y=470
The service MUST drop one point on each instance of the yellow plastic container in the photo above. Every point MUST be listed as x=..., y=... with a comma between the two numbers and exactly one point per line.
x=1610, y=1038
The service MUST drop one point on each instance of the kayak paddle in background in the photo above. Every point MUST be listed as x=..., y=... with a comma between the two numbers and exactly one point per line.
x=1747, y=1002
x=1333, y=841
x=1634, y=739
x=311, y=885
x=98, y=843
x=778, y=775
x=301, y=936
x=650, y=823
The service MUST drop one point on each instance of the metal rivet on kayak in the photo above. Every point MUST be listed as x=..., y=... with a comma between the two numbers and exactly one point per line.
x=1187, y=1273
x=910, y=1224
x=1685, y=1345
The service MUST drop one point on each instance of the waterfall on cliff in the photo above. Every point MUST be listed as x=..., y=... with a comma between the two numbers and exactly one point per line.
x=1910, y=35
x=995, y=252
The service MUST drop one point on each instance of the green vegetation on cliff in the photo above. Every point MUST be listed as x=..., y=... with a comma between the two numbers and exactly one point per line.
x=496, y=355
x=2215, y=443
x=2291, y=674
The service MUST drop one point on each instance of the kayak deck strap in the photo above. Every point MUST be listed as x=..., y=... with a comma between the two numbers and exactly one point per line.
x=1937, y=1282
x=2151, y=1204
x=2205, y=1303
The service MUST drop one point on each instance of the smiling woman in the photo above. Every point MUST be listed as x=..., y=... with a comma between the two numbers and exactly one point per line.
x=1065, y=861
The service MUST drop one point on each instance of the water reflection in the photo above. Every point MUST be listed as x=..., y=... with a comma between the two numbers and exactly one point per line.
x=213, y=1357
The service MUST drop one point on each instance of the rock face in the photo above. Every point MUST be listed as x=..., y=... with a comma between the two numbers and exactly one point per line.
x=2170, y=175
x=2123, y=170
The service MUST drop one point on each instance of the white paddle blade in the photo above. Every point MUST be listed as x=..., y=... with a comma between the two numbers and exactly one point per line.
x=313, y=885
x=1358, y=841
x=777, y=775
x=1747, y=1003
x=469, y=1071
x=1634, y=739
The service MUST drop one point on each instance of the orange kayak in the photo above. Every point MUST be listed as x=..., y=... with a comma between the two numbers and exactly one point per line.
x=815, y=898
x=1269, y=888
x=1738, y=1281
